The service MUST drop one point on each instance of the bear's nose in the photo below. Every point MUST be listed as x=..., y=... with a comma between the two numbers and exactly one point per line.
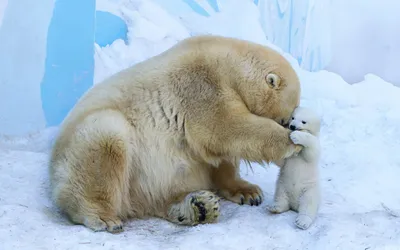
x=292, y=127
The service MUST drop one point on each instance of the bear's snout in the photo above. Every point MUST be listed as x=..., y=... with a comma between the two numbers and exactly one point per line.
x=292, y=127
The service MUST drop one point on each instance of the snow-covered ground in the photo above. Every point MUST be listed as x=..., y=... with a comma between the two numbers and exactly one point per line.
x=360, y=163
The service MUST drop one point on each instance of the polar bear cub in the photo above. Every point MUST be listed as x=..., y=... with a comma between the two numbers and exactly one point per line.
x=297, y=187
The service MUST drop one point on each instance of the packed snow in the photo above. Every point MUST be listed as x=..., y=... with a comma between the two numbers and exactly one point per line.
x=359, y=167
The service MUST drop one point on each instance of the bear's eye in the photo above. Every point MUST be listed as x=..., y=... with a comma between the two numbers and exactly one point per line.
x=292, y=118
x=303, y=122
x=273, y=80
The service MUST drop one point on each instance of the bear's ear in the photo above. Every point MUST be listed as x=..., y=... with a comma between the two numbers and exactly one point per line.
x=273, y=80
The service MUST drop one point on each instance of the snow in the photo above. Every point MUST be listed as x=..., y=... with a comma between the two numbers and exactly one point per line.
x=360, y=161
x=365, y=38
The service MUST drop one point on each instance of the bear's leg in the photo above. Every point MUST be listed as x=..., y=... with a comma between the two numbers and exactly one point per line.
x=193, y=208
x=308, y=208
x=95, y=193
x=230, y=186
x=281, y=200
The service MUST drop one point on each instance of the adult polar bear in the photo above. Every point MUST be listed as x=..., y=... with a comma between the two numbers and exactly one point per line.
x=157, y=138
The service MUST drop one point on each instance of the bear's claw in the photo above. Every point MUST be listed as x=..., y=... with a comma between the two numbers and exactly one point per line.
x=244, y=193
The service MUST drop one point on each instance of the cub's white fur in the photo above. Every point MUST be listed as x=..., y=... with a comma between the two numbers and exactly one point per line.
x=297, y=187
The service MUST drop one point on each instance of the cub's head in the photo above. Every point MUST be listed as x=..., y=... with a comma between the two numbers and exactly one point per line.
x=269, y=85
x=305, y=119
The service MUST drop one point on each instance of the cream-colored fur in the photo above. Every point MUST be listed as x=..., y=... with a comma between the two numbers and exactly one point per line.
x=297, y=187
x=162, y=137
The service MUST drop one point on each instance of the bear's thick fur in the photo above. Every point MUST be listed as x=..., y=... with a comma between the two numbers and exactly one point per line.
x=297, y=187
x=159, y=138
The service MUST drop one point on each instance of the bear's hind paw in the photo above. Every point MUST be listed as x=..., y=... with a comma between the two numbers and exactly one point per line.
x=198, y=207
x=205, y=205
x=97, y=224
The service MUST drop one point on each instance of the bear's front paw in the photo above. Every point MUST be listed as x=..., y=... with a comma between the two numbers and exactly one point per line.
x=303, y=221
x=299, y=137
x=242, y=192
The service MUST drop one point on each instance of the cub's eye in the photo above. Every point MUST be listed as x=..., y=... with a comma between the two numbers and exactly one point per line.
x=303, y=122
x=292, y=118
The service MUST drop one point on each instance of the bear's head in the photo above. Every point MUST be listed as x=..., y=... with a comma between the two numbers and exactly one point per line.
x=268, y=84
x=305, y=119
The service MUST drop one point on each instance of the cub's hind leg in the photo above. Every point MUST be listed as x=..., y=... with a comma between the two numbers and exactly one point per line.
x=308, y=207
x=90, y=174
x=193, y=208
x=281, y=200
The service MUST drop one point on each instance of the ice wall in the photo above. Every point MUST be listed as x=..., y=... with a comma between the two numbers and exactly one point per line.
x=299, y=27
x=23, y=35
x=47, y=59
x=45, y=52
x=363, y=39
x=3, y=5
x=69, y=64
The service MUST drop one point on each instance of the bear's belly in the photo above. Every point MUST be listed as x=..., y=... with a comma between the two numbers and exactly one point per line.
x=161, y=169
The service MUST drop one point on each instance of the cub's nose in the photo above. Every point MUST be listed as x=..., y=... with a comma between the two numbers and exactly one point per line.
x=292, y=127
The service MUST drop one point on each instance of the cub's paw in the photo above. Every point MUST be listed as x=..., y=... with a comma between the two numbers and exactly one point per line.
x=303, y=221
x=277, y=208
x=242, y=192
x=298, y=137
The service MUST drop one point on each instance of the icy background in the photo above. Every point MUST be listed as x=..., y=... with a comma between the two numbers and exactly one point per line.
x=365, y=39
x=360, y=140
x=293, y=26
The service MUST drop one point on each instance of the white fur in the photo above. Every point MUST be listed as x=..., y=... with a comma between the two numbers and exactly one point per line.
x=160, y=137
x=297, y=187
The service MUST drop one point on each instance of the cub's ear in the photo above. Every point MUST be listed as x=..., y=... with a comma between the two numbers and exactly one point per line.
x=273, y=80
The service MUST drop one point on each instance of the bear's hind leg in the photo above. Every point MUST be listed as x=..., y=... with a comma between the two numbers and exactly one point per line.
x=96, y=193
x=194, y=208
